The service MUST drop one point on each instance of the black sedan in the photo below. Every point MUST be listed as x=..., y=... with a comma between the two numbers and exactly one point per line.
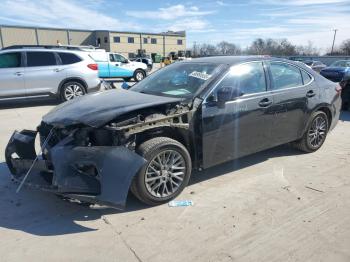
x=189, y=115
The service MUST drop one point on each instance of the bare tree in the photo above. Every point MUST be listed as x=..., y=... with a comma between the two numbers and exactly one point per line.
x=345, y=47
x=226, y=48
x=207, y=50
x=276, y=47
x=308, y=50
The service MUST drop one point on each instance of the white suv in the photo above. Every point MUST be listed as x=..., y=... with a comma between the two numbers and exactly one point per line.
x=31, y=71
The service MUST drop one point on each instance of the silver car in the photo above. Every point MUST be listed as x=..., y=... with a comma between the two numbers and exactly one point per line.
x=39, y=72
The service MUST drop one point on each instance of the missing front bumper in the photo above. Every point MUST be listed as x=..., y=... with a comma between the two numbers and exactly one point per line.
x=98, y=174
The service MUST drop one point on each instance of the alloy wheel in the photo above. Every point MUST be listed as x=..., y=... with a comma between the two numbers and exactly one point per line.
x=317, y=132
x=165, y=173
x=73, y=91
x=139, y=76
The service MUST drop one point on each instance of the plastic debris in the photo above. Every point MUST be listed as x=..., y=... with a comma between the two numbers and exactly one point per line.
x=180, y=203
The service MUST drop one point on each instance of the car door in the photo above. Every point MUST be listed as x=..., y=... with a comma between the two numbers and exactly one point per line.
x=119, y=66
x=11, y=75
x=291, y=95
x=43, y=74
x=241, y=126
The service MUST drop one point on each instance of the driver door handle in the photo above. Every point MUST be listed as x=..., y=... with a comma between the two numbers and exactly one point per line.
x=265, y=102
x=310, y=93
x=58, y=69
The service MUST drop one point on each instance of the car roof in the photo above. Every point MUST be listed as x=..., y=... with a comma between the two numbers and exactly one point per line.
x=40, y=50
x=232, y=60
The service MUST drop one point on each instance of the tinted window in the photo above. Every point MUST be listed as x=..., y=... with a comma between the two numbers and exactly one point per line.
x=131, y=40
x=284, y=75
x=248, y=78
x=41, y=59
x=68, y=58
x=10, y=60
x=306, y=77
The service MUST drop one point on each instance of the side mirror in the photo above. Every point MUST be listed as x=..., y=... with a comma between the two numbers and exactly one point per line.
x=228, y=93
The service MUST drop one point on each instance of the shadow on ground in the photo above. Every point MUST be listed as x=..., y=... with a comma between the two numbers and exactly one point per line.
x=29, y=103
x=44, y=214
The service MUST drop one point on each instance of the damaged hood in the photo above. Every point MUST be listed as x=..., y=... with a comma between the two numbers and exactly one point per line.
x=99, y=108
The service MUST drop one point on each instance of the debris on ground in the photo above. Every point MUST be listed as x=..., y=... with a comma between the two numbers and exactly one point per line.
x=314, y=189
x=180, y=203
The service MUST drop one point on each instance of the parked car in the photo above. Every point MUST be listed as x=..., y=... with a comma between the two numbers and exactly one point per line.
x=147, y=61
x=315, y=65
x=40, y=72
x=339, y=71
x=189, y=115
x=113, y=65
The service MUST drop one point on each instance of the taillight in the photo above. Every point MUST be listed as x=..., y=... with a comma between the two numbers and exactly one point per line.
x=93, y=66
x=338, y=89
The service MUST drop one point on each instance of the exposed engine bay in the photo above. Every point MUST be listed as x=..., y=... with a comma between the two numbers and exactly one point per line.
x=92, y=164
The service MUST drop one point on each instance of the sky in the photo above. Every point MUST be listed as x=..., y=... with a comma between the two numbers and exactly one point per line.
x=205, y=21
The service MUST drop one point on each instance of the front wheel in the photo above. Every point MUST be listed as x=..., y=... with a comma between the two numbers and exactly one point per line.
x=166, y=173
x=139, y=75
x=315, y=134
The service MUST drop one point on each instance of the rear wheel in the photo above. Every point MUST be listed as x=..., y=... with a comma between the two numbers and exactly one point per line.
x=139, y=75
x=71, y=90
x=315, y=134
x=166, y=173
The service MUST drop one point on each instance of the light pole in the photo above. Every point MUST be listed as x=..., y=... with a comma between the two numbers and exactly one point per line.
x=335, y=33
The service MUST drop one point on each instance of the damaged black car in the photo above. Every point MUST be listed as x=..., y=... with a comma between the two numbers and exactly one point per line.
x=190, y=115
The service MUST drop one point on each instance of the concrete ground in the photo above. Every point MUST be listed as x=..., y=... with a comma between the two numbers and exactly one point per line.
x=277, y=205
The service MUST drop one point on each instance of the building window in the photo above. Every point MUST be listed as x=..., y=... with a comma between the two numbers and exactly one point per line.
x=145, y=40
x=131, y=40
x=179, y=41
x=116, y=39
x=105, y=39
x=154, y=40
x=131, y=55
x=98, y=41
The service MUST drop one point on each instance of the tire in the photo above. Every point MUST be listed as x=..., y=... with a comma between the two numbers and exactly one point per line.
x=311, y=143
x=71, y=90
x=163, y=185
x=139, y=75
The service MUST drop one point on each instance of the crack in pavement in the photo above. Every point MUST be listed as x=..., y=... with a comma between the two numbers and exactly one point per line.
x=106, y=221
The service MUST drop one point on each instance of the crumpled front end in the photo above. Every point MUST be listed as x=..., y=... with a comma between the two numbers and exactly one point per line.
x=96, y=174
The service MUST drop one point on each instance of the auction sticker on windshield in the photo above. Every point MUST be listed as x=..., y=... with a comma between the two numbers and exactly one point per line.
x=200, y=75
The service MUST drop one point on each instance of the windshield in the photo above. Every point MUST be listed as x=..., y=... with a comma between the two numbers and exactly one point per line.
x=179, y=79
x=341, y=63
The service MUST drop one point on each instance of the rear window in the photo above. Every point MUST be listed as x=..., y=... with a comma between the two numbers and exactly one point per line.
x=41, y=59
x=306, y=77
x=285, y=75
x=10, y=60
x=68, y=58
